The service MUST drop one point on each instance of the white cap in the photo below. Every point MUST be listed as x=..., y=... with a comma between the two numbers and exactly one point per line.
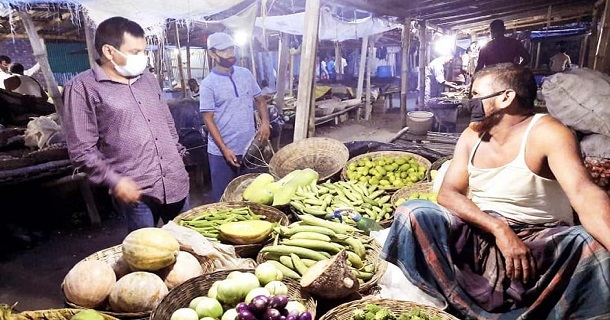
x=220, y=41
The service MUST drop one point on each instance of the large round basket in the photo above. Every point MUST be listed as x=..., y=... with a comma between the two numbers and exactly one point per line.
x=405, y=192
x=345, y=311
x=243, y=250
x=372, y=257
x=237, y=186
x=181, y=296
x=112, y=256
x=379, y=154
x=324, y=155
x=53, y=314
x=437, y=165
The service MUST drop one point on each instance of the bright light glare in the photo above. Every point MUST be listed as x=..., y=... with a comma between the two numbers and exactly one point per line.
x=444, y=45
x=482, y=42
x=241, y=38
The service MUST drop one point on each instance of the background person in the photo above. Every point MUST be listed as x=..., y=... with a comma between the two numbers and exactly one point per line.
x=560, y=62
x=229, y=95
x=120, y=132
x=23, y=84
x=501, y=49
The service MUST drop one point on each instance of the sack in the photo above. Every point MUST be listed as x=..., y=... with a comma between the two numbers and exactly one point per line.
x=595, y=145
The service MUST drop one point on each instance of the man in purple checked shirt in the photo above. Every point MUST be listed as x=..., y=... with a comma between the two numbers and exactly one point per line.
x=120, y=132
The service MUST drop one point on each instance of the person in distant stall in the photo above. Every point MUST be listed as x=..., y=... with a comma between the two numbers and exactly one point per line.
x=331, y=67
x=503, y=242
x=5, y=63
x=193, y=89
x=229, y=95
x=560, y=62
x=323, y=70
x=469, y=61
x=120, y=132
x=435, y=82
x=22, y=84
x=502, y=50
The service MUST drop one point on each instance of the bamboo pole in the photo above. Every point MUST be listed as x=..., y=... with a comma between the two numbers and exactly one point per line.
x=180, y=69
x=189, y=73
x=422, y=64
x=282, y=70
x=583, y=50
x=159, y=58
x=307, y=71
x=40, y=54
x=361, y=69
x=601, y=54
x=594, y=36
x=537, y=61
x=404, y=70
x=89, y=40
x=338, y=61
x=291, y=76
x=368, y=107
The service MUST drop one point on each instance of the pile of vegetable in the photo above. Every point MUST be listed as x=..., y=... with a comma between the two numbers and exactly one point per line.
x=246, y=296
x=430, y=196
x=386, y=172
x=265, y=190
x=323, y=199
x=301, y=245
x=372, y=311
x=599, y=169
x=150, y=265
x=234, y=225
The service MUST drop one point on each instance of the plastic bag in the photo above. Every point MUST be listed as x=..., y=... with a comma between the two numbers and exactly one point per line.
x=394, y=285
x=223, y=256
x=43, y=131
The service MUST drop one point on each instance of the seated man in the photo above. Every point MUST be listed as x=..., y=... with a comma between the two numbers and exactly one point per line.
x=513, y=248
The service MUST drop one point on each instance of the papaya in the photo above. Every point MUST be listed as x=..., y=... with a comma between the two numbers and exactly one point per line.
x=245, y=232
x=258, y=183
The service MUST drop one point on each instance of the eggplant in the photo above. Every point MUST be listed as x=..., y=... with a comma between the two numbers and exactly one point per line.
x=293, y=315
x=271, y=314
x=242, y=306
x=282, y=317
x=245, y=315
x=259, y=304
x=305, y=316
x=279, y=301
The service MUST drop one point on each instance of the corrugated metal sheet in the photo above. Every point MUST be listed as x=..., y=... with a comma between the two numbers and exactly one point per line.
x=68, y=57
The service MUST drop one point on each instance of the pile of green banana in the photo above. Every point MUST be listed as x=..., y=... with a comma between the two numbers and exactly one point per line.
x=324, y=198
x=301, y=244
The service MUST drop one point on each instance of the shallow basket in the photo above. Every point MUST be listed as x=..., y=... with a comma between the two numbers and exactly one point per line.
x=344, y=311
x=243, y=250
x=111, y=256
x=237, y=186
x=378, y=154
x=53, y=314
x=405, y=192
x=372, y=256
x=436, y=165
x=181, y=296
x=324, y=155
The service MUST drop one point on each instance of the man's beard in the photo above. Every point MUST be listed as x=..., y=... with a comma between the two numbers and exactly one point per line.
x=488, y=122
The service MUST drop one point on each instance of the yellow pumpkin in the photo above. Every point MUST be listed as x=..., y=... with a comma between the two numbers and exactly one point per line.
x=150, y=249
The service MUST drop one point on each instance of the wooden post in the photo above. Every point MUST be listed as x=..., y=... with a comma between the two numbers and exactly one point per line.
x=252, y=59
x=291, y=76
x=404, y=70
x=368, y=106
x=282, y=71
x=338, y=61
x=189, y=73
x=601, y=52
x=89, y=40
x=583, y=50
x=307, y=72
x=594, y=37
x=537, y=61
x=422, y=64
x=40, y=54
x=180, y=69
x=159, y=58
x=361, y=69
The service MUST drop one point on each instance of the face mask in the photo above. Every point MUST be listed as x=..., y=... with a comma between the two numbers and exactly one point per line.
x=134, y=66
x=477, y=112
x=226, y=62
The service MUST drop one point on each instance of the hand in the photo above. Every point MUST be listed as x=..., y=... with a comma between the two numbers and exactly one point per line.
x=127, y=191
x=263, y=133
x=230, y=157
x=520, y=264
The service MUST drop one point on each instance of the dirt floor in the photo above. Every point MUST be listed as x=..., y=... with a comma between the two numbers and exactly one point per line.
x=46, y=232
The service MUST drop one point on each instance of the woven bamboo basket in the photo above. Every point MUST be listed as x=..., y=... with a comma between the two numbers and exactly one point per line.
x=405, y=192
x=436, y=165
x=243, y=250
x=181, y=296
x=237, y=186
x=324, y=155
x=372, y=256
x=344, y=311
x=53, y=314
x=378, y=154
x=112, y=256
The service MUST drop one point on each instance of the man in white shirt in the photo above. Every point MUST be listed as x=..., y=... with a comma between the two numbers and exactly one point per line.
x=19, y=83
x=5, y=63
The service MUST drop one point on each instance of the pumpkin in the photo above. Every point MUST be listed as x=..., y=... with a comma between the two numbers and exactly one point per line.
x=150, y=249
x=137, y=292
x=88, y=283
x=186, y=267
x=120, y=267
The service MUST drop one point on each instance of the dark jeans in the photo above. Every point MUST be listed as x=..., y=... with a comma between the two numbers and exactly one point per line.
x=147, y=212
x=221, y=173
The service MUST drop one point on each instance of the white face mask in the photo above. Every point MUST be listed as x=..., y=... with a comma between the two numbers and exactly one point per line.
x=134, y=66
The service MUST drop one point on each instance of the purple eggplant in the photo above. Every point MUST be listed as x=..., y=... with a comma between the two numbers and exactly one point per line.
x=242, y=306
x=305, y=316
x=293, y=315
x=271, y=314
x=282, y=317
x=245, y=315
x=279, y=301
x=259, y=304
